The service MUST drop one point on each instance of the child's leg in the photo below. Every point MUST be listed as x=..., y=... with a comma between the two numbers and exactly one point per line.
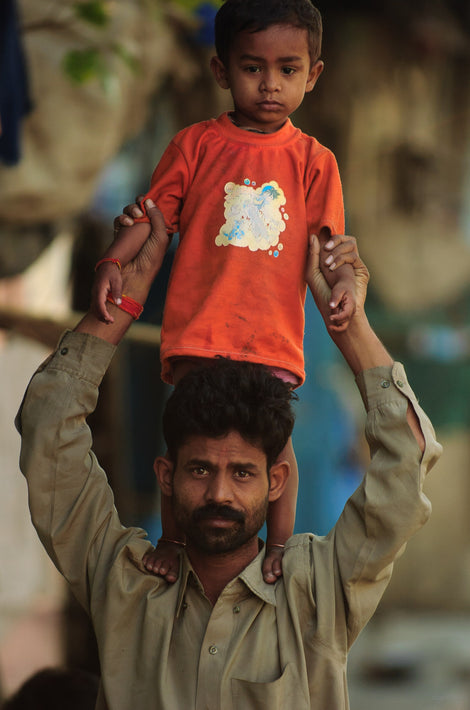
x=164, y=559
x=281, y=518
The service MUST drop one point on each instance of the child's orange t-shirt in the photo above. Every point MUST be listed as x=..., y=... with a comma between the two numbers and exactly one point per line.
x=244, y=204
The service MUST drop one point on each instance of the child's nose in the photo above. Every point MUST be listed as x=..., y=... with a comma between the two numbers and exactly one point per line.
x=270, y=81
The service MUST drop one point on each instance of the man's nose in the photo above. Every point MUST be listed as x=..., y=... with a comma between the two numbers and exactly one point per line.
x=219, y=489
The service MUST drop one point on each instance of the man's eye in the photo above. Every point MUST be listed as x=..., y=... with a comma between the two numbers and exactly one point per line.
x=243, y=474
x=199, y=471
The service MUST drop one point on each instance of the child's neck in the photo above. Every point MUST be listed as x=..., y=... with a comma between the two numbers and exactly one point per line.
x=247, y=128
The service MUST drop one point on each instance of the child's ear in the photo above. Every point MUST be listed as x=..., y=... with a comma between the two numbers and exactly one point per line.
x=220, y=73
x=163, y=468
x=315, y=71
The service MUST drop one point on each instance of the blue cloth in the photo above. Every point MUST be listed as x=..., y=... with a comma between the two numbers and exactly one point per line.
x=205, y=14
x=14, y=94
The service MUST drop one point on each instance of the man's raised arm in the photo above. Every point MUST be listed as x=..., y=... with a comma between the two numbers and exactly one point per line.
x=71, y=503
x=359, y=345
x=389, y=505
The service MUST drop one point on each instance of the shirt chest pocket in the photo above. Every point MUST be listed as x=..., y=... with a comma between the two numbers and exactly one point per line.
x=285, y=692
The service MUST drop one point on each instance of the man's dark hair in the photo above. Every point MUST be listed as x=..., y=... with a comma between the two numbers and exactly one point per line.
x=236, y=16
x=229, y=396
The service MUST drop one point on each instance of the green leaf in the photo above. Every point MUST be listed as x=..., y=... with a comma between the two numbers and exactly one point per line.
x=127, y=57
x=83, y=65
x=93, y=11
x=192, y=5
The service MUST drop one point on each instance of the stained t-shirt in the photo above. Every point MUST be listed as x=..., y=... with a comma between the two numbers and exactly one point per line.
x=244, y=204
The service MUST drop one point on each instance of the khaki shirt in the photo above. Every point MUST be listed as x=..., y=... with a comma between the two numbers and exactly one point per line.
x=163, y=646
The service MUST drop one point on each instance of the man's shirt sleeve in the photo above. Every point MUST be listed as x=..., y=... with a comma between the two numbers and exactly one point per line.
x=389, y=506
x=71, y=503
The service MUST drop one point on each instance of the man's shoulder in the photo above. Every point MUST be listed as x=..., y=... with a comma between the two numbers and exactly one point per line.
x=304, y=551
x=298, y=555
x=300, y=541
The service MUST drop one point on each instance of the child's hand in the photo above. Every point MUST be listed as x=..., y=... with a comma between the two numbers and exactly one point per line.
x=342, y=304
x=164, y=560
x=333, y=279
x=107, y=281
x=272, y=564
x=129, y=213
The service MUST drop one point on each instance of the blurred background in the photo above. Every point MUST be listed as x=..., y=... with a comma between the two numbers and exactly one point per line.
x=91, y=91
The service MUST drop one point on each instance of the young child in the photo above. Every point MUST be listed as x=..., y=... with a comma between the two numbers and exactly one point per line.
x=244, y=191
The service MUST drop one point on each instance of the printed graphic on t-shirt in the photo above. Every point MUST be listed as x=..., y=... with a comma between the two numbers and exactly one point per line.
x=255, y=217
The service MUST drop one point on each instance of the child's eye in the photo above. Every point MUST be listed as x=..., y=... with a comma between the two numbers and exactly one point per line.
x=288, y=71
x=252, y=69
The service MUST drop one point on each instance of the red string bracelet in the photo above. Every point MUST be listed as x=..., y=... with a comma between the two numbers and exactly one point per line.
x=128, y=305
x=110, y=259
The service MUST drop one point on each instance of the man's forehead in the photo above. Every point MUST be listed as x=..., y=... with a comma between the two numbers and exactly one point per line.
x=230, y=447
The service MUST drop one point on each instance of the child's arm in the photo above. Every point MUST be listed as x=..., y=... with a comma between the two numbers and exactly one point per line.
x=124, y=248
x=340, y=278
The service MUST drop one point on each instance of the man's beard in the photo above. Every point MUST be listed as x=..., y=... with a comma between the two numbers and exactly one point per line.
x=219, y=540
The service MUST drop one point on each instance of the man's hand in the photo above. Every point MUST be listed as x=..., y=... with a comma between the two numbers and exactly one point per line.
x=341, y=250
x=139, y=274
x=359, y=345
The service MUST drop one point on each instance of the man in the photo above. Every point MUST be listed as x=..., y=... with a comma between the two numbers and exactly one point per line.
x=220, y=637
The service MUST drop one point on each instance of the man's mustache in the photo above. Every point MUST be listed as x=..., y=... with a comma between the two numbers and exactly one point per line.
x=213, y=510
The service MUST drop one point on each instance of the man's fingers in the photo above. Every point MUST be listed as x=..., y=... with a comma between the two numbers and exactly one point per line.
x=157, y=222
x=313, y=255
x=341, y=249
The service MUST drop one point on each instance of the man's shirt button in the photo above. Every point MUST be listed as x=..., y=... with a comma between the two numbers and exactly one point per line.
x=385, y=384
x=213, y=650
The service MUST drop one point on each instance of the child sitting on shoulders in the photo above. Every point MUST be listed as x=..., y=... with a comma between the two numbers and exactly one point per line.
x=244, y=191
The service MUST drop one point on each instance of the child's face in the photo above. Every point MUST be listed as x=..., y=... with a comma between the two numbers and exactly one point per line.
x=268, y=75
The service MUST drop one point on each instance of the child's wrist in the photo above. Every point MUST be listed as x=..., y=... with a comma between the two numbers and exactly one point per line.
x=108, y=260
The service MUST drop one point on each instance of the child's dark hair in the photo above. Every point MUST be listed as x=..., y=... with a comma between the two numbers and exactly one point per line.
x=227, y=396
x=236, y=16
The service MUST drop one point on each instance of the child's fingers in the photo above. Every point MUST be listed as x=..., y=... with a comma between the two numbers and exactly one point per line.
x=162, y=568
x=342, y=313
x=129, y=214
x=337, y=298
x=272, y=564
x=277, y=568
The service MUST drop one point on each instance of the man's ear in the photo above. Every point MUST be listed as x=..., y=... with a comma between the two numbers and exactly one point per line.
x=220, y=73
x=278, y=475
x=163, y=468
x=315, y=71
